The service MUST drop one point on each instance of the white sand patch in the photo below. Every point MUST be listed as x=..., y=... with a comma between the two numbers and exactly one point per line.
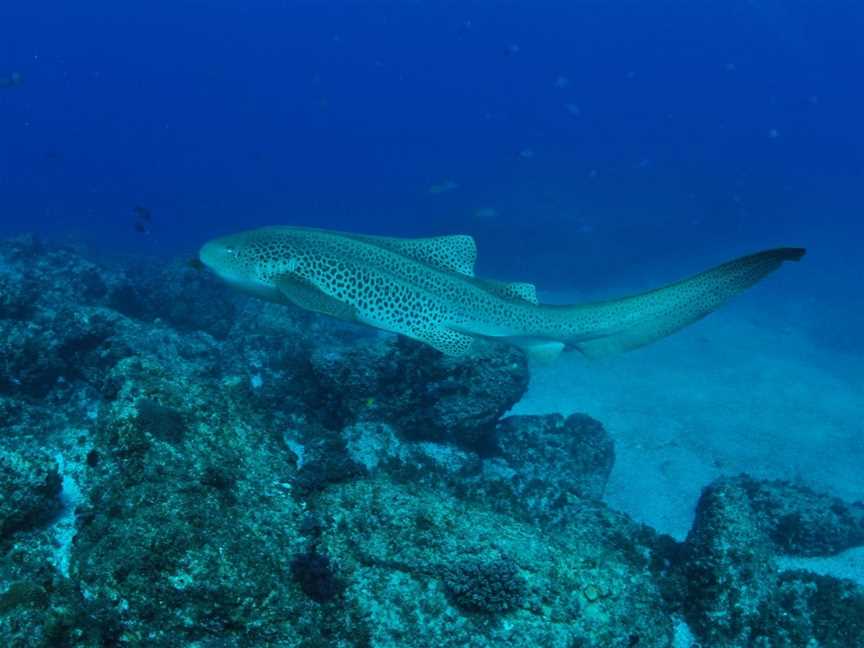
x=849, y=564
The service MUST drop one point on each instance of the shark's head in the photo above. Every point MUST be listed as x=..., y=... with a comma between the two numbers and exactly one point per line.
x=248, y=261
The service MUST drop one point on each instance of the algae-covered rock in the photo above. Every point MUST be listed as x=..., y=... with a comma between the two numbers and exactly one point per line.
x=189, y=527
x=568, y=455
x=802, y=522
x=425, y=569
x=732, y=591
x=543, y=467
x=184, y=297
x=423, y=394
x=29, y=488
x=488, y=586
x=730, y=570
x=812, y=610
x=247, y=474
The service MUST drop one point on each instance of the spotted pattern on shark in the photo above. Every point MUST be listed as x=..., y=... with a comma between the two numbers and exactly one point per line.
x=425, y=289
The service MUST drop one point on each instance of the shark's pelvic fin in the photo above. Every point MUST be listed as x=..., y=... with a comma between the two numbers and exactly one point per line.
x=542, y=352
x=631, y=322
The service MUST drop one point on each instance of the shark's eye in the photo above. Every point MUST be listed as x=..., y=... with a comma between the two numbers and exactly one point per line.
x=231, y=250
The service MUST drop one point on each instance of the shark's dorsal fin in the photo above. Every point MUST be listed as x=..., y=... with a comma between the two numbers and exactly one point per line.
x=518, y=290
x=456, y=252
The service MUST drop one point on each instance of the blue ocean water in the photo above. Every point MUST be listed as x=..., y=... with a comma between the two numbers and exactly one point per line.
x=574, y=140
x=592, y=148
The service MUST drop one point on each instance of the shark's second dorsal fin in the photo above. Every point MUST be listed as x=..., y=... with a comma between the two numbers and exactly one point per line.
x=518, y=290
x=456, y=253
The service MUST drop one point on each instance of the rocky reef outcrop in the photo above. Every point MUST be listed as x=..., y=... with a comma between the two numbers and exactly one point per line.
x=180, y=467
x=733, y=593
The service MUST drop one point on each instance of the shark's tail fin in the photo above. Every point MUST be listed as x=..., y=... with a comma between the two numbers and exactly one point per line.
x=614, y=326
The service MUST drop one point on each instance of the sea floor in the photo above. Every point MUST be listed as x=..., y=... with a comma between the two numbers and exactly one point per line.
x=738, y=392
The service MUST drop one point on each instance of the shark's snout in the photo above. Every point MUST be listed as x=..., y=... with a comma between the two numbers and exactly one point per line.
x=225, y=258
x=220, y=256
x=209, y=254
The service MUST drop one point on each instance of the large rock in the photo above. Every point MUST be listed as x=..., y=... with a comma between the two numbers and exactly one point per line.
x=421, y=393
x=543, y=466
x=29, y=488
x=572, y=455
x=730, y=589
x=800, y=521
x=187, y=298
x=425, y=568
x=729, y=570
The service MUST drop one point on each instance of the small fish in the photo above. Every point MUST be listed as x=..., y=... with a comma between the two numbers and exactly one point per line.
x=443, y=187
x=486, y=214
x=143, y=219
x=11, y=81
x=143, y=214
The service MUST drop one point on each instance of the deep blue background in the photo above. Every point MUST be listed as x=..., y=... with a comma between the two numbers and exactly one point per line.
x=705, y=129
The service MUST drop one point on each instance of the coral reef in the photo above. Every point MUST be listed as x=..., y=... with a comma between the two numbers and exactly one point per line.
x=181, y=467
x=491, y=587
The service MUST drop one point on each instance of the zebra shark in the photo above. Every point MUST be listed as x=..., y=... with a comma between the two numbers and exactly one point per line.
x=425, y=289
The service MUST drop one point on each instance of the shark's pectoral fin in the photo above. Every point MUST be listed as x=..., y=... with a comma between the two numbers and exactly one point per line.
x=447, y=341
x=306, y=295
